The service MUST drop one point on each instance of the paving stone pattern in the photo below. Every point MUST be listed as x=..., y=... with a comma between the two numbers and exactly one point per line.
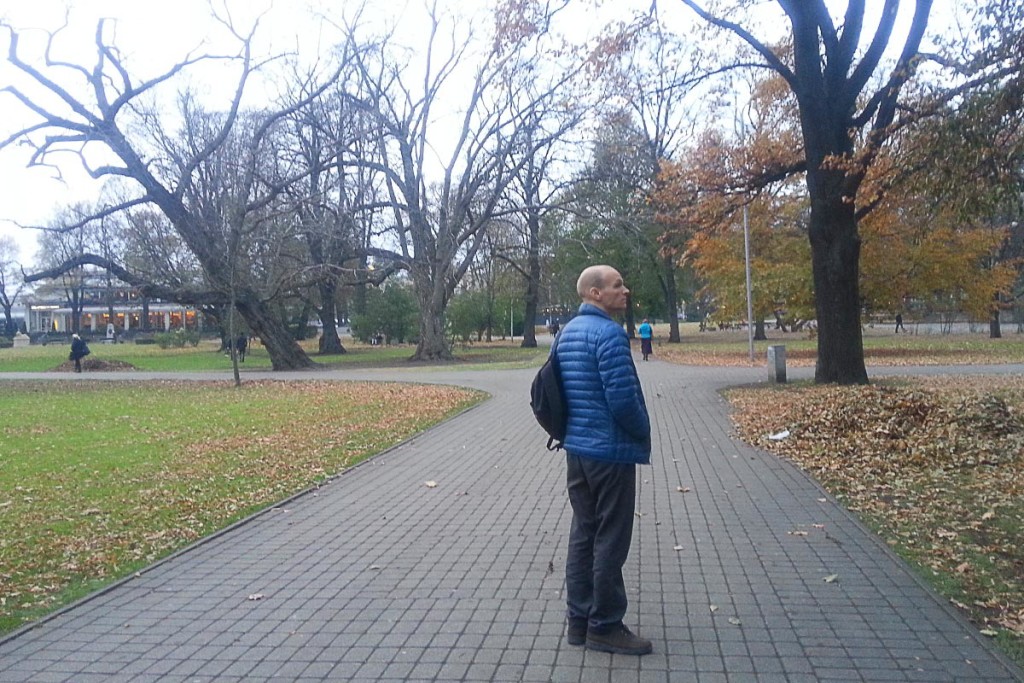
x=378, y=577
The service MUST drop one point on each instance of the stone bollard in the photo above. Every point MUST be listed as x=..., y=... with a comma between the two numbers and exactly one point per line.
x=21, y=340
x=777, y=364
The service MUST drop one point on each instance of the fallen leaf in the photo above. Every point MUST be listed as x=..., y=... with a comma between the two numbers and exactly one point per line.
x=989, y=515
x=989, y=632
x=256, y=596
x=797, y=533
x=714, y=608
x=683, y=489
x=677, y=548
x=831, y=578
x=734, y=621
x=430, y=484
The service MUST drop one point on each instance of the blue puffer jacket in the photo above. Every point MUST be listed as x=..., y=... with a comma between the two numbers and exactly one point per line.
x=607, y=415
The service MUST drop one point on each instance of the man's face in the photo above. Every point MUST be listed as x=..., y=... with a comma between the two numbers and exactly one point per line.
x=613, y=296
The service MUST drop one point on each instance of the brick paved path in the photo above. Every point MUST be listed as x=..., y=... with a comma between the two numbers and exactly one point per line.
x=376, y=577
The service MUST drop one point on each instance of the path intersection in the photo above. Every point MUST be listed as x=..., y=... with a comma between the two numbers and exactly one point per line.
x=377, y=577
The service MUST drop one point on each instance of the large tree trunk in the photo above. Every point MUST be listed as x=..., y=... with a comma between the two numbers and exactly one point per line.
x=75, y=304
x=10, y=329
x=433, y=344
x=284, y=353
x=532, y=284
x=330, y=342
x=995, y=330
x=835, y=258
x=759, y=333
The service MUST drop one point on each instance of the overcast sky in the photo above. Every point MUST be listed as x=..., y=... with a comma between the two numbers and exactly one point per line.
x=156, y=34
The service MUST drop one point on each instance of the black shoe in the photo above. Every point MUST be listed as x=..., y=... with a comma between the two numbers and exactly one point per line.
x=576, y=633
x=619, y=640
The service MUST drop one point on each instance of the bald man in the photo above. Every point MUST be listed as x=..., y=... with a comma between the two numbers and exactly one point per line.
x=607, y=435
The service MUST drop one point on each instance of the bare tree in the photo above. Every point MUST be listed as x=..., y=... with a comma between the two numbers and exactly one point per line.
x=338, y=206
x=442, y=203
x=653, y=79
x=115, y=115
x=537, y=191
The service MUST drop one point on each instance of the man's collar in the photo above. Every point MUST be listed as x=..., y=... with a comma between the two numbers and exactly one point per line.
x=591, y=309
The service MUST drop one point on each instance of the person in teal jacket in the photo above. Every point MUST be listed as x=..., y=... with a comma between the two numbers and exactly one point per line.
x=608, y=433
x=646, y=337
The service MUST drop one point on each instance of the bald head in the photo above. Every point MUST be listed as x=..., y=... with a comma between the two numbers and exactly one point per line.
x=592, y=276
x=602, y=286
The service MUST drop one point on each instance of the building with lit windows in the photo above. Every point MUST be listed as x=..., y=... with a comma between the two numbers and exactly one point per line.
x=103, y=302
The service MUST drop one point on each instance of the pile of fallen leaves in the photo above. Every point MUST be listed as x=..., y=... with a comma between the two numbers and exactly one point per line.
x=95, y=365
x=936, y=465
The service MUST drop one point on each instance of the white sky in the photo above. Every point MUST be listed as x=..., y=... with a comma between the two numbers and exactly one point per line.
x=154, y=34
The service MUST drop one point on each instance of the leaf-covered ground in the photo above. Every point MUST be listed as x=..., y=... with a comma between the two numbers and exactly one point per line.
x=97, y=480
x=935, y=465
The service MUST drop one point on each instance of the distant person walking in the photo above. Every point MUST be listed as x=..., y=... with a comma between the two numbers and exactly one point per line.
x=241, y=344
x=608, y=434
x=899, y=323
x=79, y=350
x=646, y=337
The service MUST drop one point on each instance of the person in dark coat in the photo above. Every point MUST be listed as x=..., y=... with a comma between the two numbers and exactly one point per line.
x=241, y=344
x=608, y=433
x=79, y=350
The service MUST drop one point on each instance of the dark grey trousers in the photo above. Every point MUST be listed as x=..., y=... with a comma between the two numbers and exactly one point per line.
x=603, y=497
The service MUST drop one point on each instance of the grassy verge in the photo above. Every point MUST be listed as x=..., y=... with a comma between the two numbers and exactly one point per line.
x=731, y=348
x=97, y=481
x=206, y=357
x=934, y=465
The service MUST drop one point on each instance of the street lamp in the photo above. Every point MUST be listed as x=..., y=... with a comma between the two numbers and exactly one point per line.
x=750, y=298
x=741, y=124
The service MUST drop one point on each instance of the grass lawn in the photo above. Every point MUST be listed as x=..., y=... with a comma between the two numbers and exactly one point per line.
x=934, y=465
x=881, y=348
x=99, y=480
x=204, y=357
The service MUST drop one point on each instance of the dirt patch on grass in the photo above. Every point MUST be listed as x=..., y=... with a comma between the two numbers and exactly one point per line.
x=96, y=365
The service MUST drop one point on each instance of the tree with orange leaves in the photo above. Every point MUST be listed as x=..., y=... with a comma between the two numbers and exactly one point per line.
x=828, y=68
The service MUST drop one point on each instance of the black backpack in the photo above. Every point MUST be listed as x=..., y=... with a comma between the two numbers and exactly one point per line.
x=548, y=401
